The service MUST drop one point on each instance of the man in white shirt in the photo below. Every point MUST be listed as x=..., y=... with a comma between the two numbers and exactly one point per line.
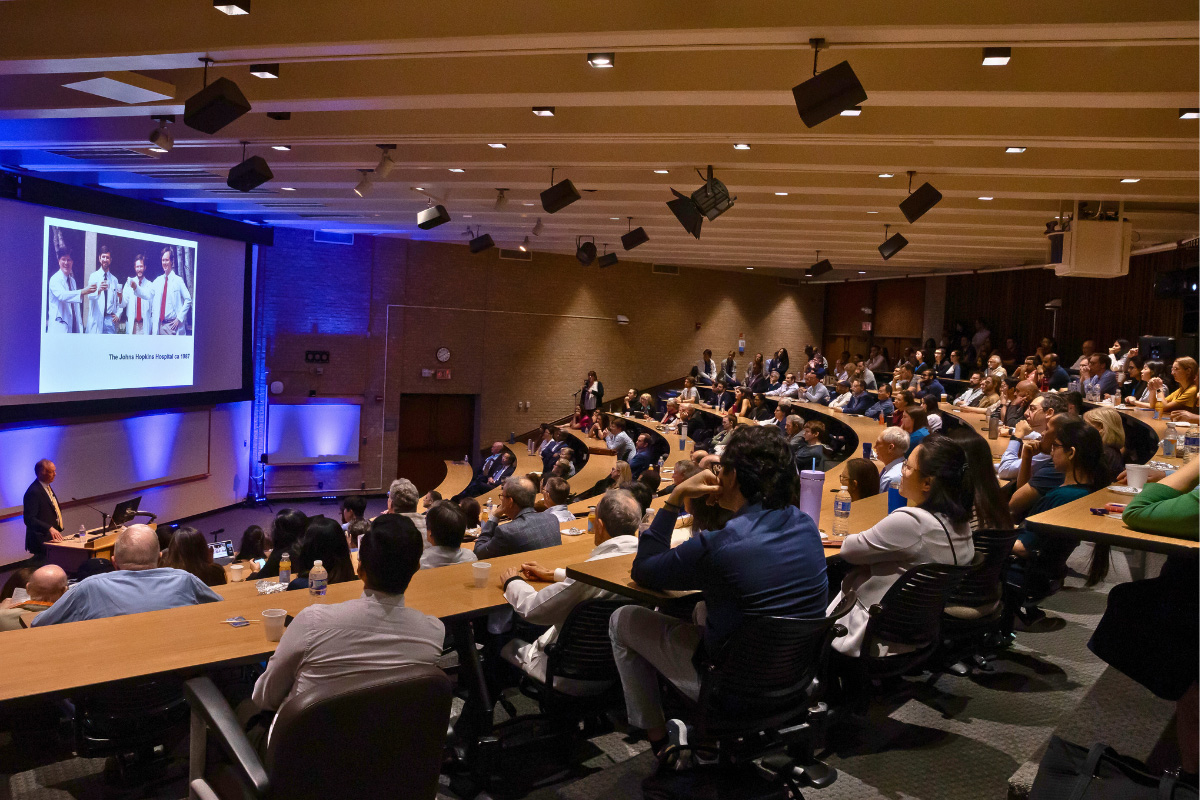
x=169, y=298
x=617, y=440
x=786, y=389
x=617, y=518
x=361, y=638
x=844, y=396
x=65, y=297
x=1031, y=429
x=974, y=390
x=814, y=390
x=995, y=368
x=904, y=378
x=136, y=310
x=556, y=491
x=891, y=447
x=707, y=369
x=447, y=526
x=104, y=306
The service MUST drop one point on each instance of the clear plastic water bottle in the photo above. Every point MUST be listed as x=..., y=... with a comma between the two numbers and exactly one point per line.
x=83, y=531
x=841, y=511
x=1169, y=441
x=318, y=579
x=1191, y=440
x=285, y=568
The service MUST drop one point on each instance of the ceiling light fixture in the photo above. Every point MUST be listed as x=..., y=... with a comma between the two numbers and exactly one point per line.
x=709, y=201
x=1189, y=113
x=385, y=165
x=538, y=227
x=917, y=203
x=457, y=169
x=828, y=93
x=872, y=212
x=750, y=268
x=602, y=60
x=586, y=252
x=161, y=140
x=501, y=200
x=851, y=112
x=634, y=237
x=986, y=197
x=529, y=204
x=543, y=111
x=250, y=174
x=862, y=272
x=282, y=147
x=1014, y=149
x=287, y=188
x=781, y=194
x=887, y=174
x=497, y=145
x=267, y=71
x=233, y=8
x=524, y=246
x=1130, y=180
x=996, y=56
x=741, y=146
x=364, y=186
x=891, y=245
x=125, y=87
x=661, y=171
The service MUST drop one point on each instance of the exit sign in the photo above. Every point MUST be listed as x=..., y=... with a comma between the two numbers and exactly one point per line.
x=866, y=326
x=442, y=375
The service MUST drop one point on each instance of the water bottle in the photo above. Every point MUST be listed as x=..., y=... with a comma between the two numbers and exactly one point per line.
x=591, y=520
x=1191, y=440
x=531, y=447
x=490, y=506
x=82, y=531
x=467, y=458
x=993, y=427
x=841, y=511
x=285, y=568
x=1169, y=441
x=682, y=436
x=318, y=579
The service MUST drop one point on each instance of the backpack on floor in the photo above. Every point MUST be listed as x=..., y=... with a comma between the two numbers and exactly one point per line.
x=1072, y=772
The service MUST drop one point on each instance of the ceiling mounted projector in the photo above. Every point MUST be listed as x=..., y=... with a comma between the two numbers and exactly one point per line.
x=827, y=94
x=250, y=174
x=916, y=204
x=431, y=217
x=481, y=243
x=709, y=201
x=586, y=253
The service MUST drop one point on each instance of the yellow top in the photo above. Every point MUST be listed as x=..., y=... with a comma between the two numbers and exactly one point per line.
x=1184, y=395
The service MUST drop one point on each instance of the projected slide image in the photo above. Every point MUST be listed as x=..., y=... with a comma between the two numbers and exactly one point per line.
x=118, y=308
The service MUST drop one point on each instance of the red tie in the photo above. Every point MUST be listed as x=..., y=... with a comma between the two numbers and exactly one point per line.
x=139, y=310
x=162, y=308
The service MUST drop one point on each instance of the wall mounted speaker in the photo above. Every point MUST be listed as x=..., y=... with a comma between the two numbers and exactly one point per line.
x=607, y=260
x=481, y=243
x=893, y=245
x=634, y=238
x=920, y=201
x=559, y=196
x=818, y=269
x=215, y=106
x=828, y=94
x=250, y=174
x=432, y=217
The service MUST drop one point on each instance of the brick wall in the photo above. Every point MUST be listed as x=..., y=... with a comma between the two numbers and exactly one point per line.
x=517, y=331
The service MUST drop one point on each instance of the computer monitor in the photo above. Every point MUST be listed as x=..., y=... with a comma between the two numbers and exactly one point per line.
x=124, y=511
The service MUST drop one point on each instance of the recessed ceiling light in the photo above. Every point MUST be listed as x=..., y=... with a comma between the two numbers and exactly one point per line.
x=457, y=169
x=264, y=70
x=887, y=174
x=1189, y=113
x=1130, y=180
x=232, y=7
x=287, y=188
x=543, y=111
x=602, y=60
x=851, y=112
x=661, y=171
x=1014, y=149
x=614, y=217
x=497, y=145
x=985, y=197
x=872, y=212
x=529, y=204
x=781, y=194
x=862, y=272
x=466, y=216
x=419, y=188
x=749, y=267
x=996, y=56
x=741, y=146
x=284, y=147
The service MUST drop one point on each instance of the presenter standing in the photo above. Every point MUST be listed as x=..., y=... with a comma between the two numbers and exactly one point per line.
x=43, y=517
x=169, y=299
x=104, y=305
x=65, y=298
x=136, y=310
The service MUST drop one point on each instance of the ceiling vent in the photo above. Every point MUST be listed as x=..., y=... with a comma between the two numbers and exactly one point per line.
x=286, y=206
x=175, y=173
x=103, y=154
x=516, y=255
x=333, y=237
x=223, y=190
x=665, y=269
x=789, y=281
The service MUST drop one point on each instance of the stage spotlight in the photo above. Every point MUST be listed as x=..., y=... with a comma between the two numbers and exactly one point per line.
x=891, y=245
x=829, y=93
x=586, y=253
x=711, y=200
x=481, y=243
x=917, y=203
x=501, y=200
x=996, y=56
x=524, y=246
x=364, y=186
x=602, y=60
x=429, y=218
x=537, y=227
x=264, y=70
x=161, y=140
x=385, y=165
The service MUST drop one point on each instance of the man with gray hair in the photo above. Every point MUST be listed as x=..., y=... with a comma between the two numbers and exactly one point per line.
x=1031, y=428
x=615, y=534
x=526, y=529
x=891, y=447
x=402, y=500
x=138, y=585
x=45, y=586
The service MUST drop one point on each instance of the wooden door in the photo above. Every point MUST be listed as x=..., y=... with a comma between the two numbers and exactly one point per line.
x=433, y=428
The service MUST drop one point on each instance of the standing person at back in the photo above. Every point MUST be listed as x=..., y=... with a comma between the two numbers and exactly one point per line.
x=593, y=392
x=526, y=529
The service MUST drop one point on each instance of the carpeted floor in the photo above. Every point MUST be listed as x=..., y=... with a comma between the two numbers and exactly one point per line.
x=947, y=738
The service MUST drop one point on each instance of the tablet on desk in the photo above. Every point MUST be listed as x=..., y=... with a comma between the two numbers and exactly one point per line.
x=222, y=552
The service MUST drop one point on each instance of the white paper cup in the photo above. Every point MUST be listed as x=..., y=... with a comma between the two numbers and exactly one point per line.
x=481, y=570
x=1135, y=475
x=237, y=573
x=273, y=623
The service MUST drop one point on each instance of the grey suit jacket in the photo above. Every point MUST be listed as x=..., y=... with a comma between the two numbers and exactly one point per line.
x=529, y=531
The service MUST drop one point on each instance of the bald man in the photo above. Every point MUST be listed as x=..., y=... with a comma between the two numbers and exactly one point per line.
x=138, y=585
x=45, y=586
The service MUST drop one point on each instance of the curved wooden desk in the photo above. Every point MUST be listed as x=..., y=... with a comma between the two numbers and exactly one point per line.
x=458, y=476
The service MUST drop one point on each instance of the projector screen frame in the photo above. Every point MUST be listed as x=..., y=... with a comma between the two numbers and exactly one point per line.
x=37, y=191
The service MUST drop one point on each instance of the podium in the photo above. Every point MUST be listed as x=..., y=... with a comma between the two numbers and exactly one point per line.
x=72, y=551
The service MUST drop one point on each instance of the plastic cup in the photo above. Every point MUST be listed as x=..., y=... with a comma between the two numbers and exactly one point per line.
x=273, y=623
x=1135, y=475
x=481, y=570
x=237, y=573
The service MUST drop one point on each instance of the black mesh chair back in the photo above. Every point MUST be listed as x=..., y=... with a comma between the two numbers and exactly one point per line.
x=762, y=675
x=910, y=614
x=129, y=715
x=982, y=586
x=583, y=650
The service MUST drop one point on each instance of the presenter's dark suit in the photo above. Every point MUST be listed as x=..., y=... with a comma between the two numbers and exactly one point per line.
x=39, y=519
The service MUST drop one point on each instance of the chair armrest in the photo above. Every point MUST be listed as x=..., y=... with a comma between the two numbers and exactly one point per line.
x=207, y=701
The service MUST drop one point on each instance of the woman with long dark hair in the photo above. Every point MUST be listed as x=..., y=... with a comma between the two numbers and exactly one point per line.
x=253, y=546
x=933, y=528
x=324, y=541
x=190, y=552
x=592, y=395
x=288, y=526
x=990, y=510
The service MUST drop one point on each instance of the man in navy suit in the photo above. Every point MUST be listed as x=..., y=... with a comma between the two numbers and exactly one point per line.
x=643, y=456
x=549, y=451
x=43, y=517
x=860, y=401
x=496, y=467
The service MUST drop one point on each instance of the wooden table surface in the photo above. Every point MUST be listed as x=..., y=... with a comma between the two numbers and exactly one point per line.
x=458, y=476
x=1075, y=520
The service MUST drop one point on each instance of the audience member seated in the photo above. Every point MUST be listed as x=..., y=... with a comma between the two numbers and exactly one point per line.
x=933, y=528
x=557, y=492
x=1009, y=354
x=45, y=586
x=553, y=440
x=431, y=497
x=773, y=382
x=786, y=389
x=1085, y=353
x=1032, y=428
x=646, y=408
x=728, y=423
x=882, y=409
x=929, y=386
x=951, y=367
x=756, y=375
x=581, y=420
x=900, y=401
x=526, y=529
x=689, y=394
x=778, y=417
x=814, y=391
x=1183, y=370
x=643, y=455
x=1055, y=376
x=357, y=530
x=1112, y=435
x=322, y=541
x=876, y=360
x=629, y=403
x=616, y=439
x=1143, y=392
x=862, y=478
x=816, y=362
x=670, y=416
x=916, y=424
x=991, y=508
x=618, y=475
x=491, y=472
x=253, y=547
x=358, y=639
x=706, y=372
x=759, y=410
x=447, y=527
x=353, y=507
x=811, y=455
x=933, y=417
x=903, y=379
x=1168, y=507
x=793, y=429
x=403, y=496
x=742, y=401
x=863, y=374
x=565, y=466
x=190, y=552
x=728, y=373
x=138, y=585
x=767, y=560
x=471, y=508
x=1098, y=379
x=721, y=400
x=973, y=392
x=615, y=534
x=859, y=401
x=286, y=529
x=1118, y=352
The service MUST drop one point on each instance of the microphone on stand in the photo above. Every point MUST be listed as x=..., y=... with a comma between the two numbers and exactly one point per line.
x=103, y=515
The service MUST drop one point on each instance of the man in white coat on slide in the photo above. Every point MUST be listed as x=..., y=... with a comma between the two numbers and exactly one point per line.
x=136, y=310
x=104, y=305
x=65, y=296
x=169, y=299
